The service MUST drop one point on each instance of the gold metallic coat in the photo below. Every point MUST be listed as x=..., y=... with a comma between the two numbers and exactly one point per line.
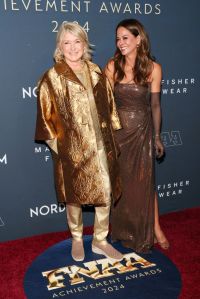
x=62, y=118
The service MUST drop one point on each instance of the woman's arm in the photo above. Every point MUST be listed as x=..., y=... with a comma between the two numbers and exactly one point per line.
x=156, y=77
x=109, y=71
x=45, y=130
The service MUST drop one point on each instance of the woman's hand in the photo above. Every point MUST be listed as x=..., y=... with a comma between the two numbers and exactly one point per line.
x=159, y=147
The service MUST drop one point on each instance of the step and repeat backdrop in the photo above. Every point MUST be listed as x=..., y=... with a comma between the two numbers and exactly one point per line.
x=28, y=204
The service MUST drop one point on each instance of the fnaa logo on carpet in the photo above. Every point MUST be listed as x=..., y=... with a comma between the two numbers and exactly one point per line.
x=54, y=274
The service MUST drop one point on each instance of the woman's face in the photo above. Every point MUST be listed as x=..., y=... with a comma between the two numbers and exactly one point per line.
x=71, y=47
x=126, y=41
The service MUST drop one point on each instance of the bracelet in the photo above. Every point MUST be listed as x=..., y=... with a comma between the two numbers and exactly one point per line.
x=157, y=135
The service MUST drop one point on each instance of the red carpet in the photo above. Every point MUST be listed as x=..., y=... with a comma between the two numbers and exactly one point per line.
x=182, y=229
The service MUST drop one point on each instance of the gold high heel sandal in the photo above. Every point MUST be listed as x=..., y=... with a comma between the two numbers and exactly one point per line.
x=162, y=242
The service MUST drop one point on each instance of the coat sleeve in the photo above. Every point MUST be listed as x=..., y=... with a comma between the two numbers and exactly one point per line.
x=114, y=115
x=44, y=125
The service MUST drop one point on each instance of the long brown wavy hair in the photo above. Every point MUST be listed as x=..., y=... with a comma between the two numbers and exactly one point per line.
x=144, y=61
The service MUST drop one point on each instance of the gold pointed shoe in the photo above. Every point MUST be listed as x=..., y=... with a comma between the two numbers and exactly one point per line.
x=107, y=250
x=77, y=252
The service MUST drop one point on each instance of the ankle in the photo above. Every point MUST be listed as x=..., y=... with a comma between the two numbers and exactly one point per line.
x=99, y=242
x=77, y=240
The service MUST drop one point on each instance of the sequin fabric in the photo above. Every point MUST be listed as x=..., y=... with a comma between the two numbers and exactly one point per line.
x=133, y=215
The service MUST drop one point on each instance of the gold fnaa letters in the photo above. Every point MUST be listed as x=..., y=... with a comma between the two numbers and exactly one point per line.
x=97, y=269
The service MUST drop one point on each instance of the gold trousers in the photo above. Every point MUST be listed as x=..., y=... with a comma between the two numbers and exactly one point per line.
x=102, y=213
x=101, y=222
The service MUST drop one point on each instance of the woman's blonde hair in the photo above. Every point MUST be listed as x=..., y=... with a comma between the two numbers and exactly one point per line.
x=79, y=32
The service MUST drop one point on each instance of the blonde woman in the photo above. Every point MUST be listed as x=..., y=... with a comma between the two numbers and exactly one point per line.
x=76, y=116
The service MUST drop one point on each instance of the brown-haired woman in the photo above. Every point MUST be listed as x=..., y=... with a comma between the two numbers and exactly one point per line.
x=136, y=80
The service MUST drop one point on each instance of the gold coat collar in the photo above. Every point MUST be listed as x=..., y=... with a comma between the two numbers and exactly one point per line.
x=63, y=69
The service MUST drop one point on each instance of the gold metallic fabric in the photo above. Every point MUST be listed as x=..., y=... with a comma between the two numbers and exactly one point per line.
x=96, y=139
x=75, y=220
x=63, y=114
x=101, y=222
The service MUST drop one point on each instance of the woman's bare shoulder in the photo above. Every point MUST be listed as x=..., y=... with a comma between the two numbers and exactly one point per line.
x=110, y=66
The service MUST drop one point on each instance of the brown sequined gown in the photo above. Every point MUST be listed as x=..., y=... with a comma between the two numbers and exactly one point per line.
x=132, y=217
